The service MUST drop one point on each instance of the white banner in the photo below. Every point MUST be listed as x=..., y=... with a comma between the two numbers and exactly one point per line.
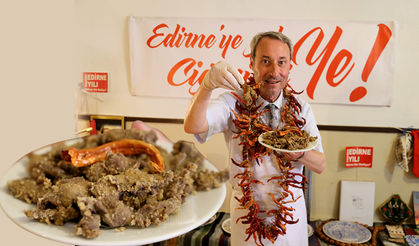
x=334, y=62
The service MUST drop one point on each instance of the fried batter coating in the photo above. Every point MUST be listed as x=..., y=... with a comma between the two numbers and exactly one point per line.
x=184, y=152
x=57, y=203
x=207, y=180
x=48, y=169
x=182, y=184
x=88, y=227
x=58, y=215
x=65, y=192
x=28, y=190
x=114, y=212
x=156, y=211
x=113, y=164
x=89, y=224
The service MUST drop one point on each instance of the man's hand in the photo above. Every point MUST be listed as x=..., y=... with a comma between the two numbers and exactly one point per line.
x=222, y=75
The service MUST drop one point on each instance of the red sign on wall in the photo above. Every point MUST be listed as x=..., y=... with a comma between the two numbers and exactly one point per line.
x=95, y=82
x=358, y=157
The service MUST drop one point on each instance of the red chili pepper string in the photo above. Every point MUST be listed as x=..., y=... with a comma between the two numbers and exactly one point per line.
x=249, y=127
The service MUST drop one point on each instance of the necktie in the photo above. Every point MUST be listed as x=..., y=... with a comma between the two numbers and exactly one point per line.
x=272, y=118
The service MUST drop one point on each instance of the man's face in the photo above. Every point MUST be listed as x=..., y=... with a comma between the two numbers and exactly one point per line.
x=271, y=67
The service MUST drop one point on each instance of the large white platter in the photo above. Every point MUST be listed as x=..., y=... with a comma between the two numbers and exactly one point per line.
x=311, y=145
x=205, y=204
x=347, y=232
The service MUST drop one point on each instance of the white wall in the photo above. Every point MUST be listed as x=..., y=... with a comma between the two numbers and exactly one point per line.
x=37, y=88
x=102, y=45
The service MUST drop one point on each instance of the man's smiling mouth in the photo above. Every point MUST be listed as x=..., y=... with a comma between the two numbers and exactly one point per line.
x=271, y=81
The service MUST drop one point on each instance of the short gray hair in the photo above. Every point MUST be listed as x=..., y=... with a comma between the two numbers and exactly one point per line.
x=270, y=34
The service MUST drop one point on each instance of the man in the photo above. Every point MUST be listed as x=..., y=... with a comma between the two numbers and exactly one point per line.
x=270, y=62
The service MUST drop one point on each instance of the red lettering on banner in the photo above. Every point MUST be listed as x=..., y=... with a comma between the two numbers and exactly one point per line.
x=325, y=56
x=357, y=94
x=180, y=38
x=245, y=55
x=237, y=41
x=383, y=37
x=187, y=65
x=150, y=40
x=177, y=39
x=331, y=72
x=244, y=73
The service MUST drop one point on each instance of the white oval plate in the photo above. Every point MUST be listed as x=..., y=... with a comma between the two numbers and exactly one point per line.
x=226, y=226
x=412, y=240
x=206, y=204
x=309, y=230
x=212, y=219
x=310, y=146
x=347, y=232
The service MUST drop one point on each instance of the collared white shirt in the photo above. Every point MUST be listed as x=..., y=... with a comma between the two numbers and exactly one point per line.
x=219, y=117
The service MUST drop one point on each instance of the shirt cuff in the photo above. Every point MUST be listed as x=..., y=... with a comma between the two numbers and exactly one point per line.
x=203, y=137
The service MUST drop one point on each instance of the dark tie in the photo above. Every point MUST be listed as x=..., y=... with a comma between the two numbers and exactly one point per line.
x=272, y=117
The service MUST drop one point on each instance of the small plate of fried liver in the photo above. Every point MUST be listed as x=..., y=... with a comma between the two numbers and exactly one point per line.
x=288, y=140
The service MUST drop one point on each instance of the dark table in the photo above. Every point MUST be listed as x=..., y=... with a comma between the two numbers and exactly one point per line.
x=208, y=235
x=213, y=235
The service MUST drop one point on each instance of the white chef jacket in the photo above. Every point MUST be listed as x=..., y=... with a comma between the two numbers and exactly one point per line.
x=219, y=116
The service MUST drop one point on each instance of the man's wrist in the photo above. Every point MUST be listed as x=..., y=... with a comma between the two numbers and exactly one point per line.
x=301, y=156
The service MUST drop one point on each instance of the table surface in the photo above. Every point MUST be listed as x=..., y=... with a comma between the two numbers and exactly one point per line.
x=213, y=235
x=382, y=236
x=210, y=235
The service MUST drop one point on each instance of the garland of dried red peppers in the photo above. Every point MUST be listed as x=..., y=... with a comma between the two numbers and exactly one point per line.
x=249, y=126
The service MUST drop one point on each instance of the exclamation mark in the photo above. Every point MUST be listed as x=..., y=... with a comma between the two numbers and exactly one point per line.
x=383, y=37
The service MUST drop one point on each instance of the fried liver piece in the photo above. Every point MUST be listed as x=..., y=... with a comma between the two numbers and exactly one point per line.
x=108, y=201
x=57, y=203
x=65, y=193
x=156, y=212
x=89, y=224
x=184, y=152
x=113, y=164
x=28, y=190
x=207, y=180
x=114, y=213
x=58, y=215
